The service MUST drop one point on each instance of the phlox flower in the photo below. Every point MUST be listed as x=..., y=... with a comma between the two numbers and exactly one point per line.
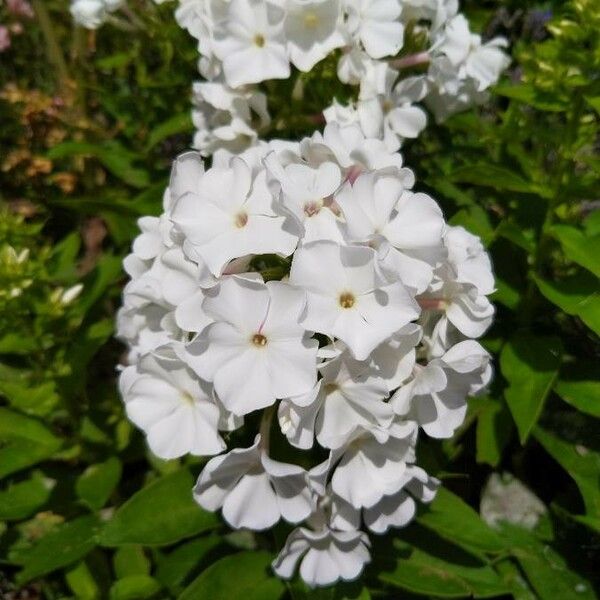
x=255, y=351
x=348, y=297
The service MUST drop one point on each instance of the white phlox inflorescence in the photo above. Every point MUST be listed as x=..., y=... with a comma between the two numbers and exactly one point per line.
x=304, y=293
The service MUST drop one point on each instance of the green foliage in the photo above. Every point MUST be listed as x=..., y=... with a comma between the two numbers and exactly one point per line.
x=87, y=513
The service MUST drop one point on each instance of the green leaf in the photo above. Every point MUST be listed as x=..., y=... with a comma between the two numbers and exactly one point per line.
x=37, y=400
x=177, y=124
x=494, y=429
x=516, y=235
x=95, y=485
x=20, y=500
x=545, y=569
x=82, y=582
x=592, y=223
x=178, y=565
x=159, y=514
x=252, y=579
x=113, y=156
x=581, y=249
x=578, y=296
x=454, y=520
x=531, y=95
x=583, y=395
x=65, y=545
x=530, y=365
x=581, y=463
x=23, y=442
x=108, y=270
x=130, y=560
x=135, y=587
x=425, y=574
x=591, y=522
x=498, y=178
x=63, y=264
x=512, y=577
x=594, y=102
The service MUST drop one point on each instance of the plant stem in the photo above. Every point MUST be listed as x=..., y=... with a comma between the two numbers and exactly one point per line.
x=265, y=427
x=412, y=60
x=52, y=47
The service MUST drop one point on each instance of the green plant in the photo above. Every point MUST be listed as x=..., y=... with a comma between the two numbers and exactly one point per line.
x=85, y=510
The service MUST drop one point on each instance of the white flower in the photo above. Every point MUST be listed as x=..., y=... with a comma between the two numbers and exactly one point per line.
x=327, y=555
x=347, y=398
x=395, y=510
x=253, y=490
x=376, y=23
x=486, y=63
x=470, y=260
x=90, y=14
x=373, y=464
x=231, y=215
x=312, y=29
x=388, y=112
x=255, y=351
x=251, y=44
x=226, y=118
x=348, y=297
x=353, y=65
x=376, y=207
x=174, y=408
x=436, y=396
x=308, y=194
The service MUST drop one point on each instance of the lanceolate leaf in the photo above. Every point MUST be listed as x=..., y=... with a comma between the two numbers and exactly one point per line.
x=245, y=575
x=581, y=463
x=453, y=519
x=161, y=513
x=97, y=482
x=23, y=442
x=582, y=249
x=546, y=570
x=68, y=544
x=578, y=296
x=425, y=574
x=530, y=365
x=583, y=395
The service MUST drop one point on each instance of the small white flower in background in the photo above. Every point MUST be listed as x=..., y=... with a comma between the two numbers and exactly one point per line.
x=302, y=289
x=313, y=30
x=506, y=499
x=251, y=43
x=90, y=14
x=225, y=117
x=376, y=24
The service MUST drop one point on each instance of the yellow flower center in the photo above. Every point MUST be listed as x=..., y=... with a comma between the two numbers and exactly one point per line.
x=259, y=40
x=347, y=300
x=312, y=208
x=311, y=20
x=240, y=220
x=259, y=340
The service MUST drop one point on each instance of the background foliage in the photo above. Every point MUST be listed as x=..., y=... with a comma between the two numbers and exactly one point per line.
x=90, y=124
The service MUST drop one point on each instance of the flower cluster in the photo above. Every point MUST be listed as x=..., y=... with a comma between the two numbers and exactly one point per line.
x=245, y=42
x=305, y=295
